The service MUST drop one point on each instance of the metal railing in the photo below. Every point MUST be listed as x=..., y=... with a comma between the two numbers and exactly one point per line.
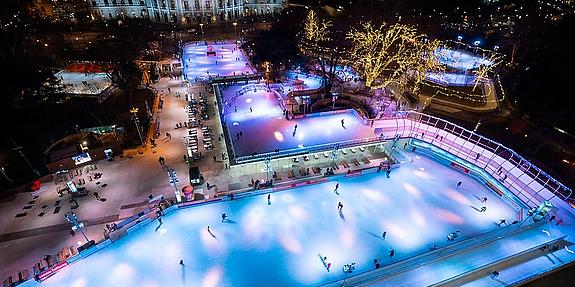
x=531, y=184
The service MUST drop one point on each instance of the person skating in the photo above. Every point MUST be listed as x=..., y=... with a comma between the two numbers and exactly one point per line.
x=484, y=200
x=96, y=195
x=494, y=274
x=342, y=123
x=383, y=235
x=182, y=262
x=459, y=184
x=336, y=187
x=223, y=217
x=391, y=253
x=269, y=198
x=502, y=221
x=483, y=209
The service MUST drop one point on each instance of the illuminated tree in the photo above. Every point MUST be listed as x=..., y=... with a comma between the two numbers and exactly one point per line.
x=317, y=43
x=425, y=60
x=315, y=31
x=383, y=55
x=483, y=70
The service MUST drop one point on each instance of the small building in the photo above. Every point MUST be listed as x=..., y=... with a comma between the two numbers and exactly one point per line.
x=81, y=149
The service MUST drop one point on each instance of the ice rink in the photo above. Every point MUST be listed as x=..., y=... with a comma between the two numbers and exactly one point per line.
x=302, y=81
x=227, y=61
x=280, y=243
x=451, y=79
x=83, y=83
x=264, y=128
x=460, y=60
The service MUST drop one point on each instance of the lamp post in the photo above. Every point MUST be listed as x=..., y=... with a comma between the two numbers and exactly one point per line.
x=134, y=116
x=174, y=182
x=5, y=175
x=236, y=31
x=333, y=98
x=202, y=29
x=73, y=219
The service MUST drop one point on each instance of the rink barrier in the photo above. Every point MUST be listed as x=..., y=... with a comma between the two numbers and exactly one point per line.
x=493, y=265
x=473, y=241
x=525, y=180
x=469, y=169
x=138, y=225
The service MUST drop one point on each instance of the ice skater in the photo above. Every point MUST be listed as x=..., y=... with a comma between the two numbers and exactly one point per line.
x=328, y=266
x=459, y=184
x=502, y=221
x=483, y=209
x=391, y=253
x=342, y=123
x=251, y=109
x=383, y=235
x=269, y=199
x=182, y=262
x=484, y=199
x=494, y=274
x=336, y=187
x=223, y=217
x=339, y=206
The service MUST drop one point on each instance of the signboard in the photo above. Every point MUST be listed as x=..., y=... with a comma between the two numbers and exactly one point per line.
x=82, y=158
x=460, y=167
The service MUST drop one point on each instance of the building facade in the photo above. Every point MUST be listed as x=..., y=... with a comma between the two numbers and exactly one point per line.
x=184, y=11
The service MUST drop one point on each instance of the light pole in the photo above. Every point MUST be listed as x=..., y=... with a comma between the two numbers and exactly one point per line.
x=134, y=116
x=174, y=182
x=5, y=175
x=236, y=31
x=202, y=29
x=267, y=167
x=333, y=98
x=334, y=153
x=76, y=224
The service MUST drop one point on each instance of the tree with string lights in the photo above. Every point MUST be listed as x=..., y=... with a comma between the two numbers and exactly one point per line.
x=317, y=43
x=396, y=54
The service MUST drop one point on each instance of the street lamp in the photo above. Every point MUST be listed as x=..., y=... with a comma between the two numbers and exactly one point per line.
x=333, y=98
x=134, y=116
x=236, y=31
x=174, y=182
x=202, y=28
x=73, y=219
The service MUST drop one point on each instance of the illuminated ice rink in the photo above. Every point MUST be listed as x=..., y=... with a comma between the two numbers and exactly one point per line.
x=83, y=83
x=460, y=60
x=197, y=64
x=279, y=244
x=451, y=79
x=264, y=128
x=303, y=81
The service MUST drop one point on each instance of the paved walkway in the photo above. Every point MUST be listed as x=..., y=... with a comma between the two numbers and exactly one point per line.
x=126, y=183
